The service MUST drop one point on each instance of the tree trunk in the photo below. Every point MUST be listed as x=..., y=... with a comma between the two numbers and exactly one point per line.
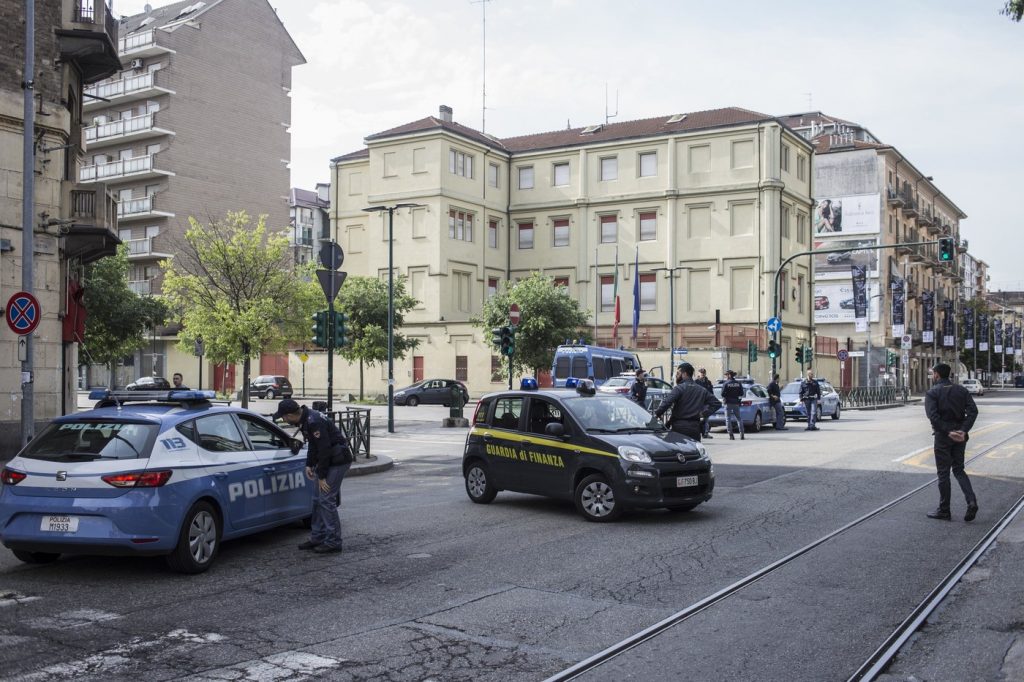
x=360, y=379
x=113, y=370
x=245, y=374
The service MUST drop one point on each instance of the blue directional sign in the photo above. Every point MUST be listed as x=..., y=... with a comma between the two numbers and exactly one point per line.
x=774, y=325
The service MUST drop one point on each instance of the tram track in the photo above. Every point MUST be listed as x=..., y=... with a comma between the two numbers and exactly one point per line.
x=883, y=655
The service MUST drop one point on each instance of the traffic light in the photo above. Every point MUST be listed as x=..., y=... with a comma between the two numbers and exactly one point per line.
x=946, y=249
x=508, y=341
x=773, y=350
x=496, y=336
x=320, y=328
x=808, y=355
x=798, y=355
x=751, y=351
x=339, y=329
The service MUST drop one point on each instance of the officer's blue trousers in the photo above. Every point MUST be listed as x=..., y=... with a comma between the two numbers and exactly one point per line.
x=326, y=526
x=732, y=412
x=811, y=407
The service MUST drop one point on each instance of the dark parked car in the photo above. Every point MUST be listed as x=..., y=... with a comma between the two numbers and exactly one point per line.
x=149, y=384
x=430, y=392
x=837, y=258
x=848, y=304
x=271, y=386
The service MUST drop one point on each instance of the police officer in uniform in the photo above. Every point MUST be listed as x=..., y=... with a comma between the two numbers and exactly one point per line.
x=638, y=391
x=689, y=403
x=952, y=412
x=810, y=394
x=732, y=396
x=775, y=398
x=327, y=461
x=702, y=380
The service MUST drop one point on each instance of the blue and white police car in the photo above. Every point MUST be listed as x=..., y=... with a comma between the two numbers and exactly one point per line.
x=153, y=473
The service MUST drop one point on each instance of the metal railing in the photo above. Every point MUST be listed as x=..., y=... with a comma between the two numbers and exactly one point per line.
x=130, y=207
x=143, y=287
x=124, y=126
x=138, y=164
x=121, y=86
x=872, y=396
x=136, y=41
x=354, y=424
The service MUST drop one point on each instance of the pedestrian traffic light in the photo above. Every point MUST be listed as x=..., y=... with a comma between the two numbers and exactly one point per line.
x=320, y=328
x=798, y=355
x=339, y=329
x=773, y=350
x=946, y=249
x=496, y=336
x=808, y=355
x=508, y=341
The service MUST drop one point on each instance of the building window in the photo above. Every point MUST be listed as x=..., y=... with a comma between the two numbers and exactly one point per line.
x=609, y=229
x=526, y=177
x=560, y=174
x=785, y=158
x=800, y=285
x=783, y=285
x=561, y=282
x=561, y=232
x=648, y=164
x=648, y=292
x=492, y=287
x=462, y=368
x=462, y=294
x=610, y=168
x=525, y=235
x=492, y=233
x=492, y=174
x=801, y=228
x=389, y=165
x=460, y=225
x=784, y=223
x=648, y=226
x=460, y=163
x=801, y=167
x=607, y=293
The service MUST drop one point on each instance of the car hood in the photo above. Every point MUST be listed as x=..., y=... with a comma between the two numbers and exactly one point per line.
x=663, y=445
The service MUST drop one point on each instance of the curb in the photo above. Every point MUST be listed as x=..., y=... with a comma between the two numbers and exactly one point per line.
x=375, y=465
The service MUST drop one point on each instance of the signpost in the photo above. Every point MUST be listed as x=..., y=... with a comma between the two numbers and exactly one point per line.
x=843, y=355
x=513, y=315
x=774, y=325
x=331, y=257
x=23, y=313
x=199, y=351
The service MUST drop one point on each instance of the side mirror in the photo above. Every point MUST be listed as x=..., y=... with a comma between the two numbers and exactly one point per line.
x=296, y=446
x=554, y=429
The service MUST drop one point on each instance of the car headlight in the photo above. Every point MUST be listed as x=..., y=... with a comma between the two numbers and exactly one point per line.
x=634, y=454
x=701, y=450
x=399, y=393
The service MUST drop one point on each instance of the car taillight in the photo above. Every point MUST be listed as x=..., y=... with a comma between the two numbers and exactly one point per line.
x=10, y=477
x=622, y=390
x=276, y=386
x=139, y=479
x=747, y=403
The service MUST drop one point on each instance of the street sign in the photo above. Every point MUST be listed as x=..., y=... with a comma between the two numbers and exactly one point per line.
x=774, y=325
x=331, y=255
x=856, y=354
x=681, y=351
x=330, y=282
x=23, y=313
x=906, y=342
x=303, y=356
x=513, y=314
x=843, y=354
x=200, y=347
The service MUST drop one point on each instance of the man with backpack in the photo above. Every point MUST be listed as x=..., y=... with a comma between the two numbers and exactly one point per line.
x=952, y=413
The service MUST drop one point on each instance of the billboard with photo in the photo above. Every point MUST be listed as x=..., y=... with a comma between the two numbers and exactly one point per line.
x=856, y=214
x=837, y=265
x=834, y=302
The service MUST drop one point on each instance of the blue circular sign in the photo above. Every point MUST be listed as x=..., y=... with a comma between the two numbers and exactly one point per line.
x=843, y=354
x=23, y=313
x=774, y=325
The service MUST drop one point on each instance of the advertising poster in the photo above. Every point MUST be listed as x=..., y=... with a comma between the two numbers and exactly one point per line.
x=1017, y=339
x=1008, y=345
x=969, y=329
x=997, y=335
x=858, y=214
x=899, y=310
x=983, y=332
x=928, y=316
x=948, y=325
x=837, y=265
x=834, y=303
x=860, y=297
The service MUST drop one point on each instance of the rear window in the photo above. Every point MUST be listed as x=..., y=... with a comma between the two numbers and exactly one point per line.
x=281, y=380
x=579, y=367
x=600, y=367
x=619, y=381
x=90, y=441
x=562, y=367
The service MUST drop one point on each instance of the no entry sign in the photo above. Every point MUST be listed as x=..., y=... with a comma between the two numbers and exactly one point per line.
x=23, y=313
x=513, y=314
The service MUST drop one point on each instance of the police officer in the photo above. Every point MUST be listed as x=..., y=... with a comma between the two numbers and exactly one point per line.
x=688, y=402
x=952, y=412
x=810, y=394
x=702, y=380
x=775, y=398
x=327, y=461
x=638, y=391
x=732, y=396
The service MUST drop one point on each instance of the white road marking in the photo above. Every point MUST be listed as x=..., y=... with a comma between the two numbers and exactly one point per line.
x=912, y=454
x=7, y=598
x=287, y=665
x=71, y=619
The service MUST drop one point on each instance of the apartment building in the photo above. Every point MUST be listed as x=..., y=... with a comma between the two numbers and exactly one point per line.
x=73, y=224
x=721, y=197
x=867, y=194
x=308, y=221
x=194, y=123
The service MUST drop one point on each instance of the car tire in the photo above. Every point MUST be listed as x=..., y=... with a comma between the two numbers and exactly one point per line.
x=683, y=507
x=35, y=557
x=270, y=395
x=835, y=415
x=756, y=426
x=478, y=483
x=413, y=401
x=198, y=540
x=595, y=499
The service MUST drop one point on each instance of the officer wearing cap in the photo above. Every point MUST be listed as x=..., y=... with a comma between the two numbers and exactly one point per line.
x=732, y=396
x=327, y=461
x=688, y=402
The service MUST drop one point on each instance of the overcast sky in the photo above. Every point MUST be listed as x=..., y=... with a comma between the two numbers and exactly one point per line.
x=941, y=80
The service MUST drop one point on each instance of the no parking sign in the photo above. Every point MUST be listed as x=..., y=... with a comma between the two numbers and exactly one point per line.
x=23, y=313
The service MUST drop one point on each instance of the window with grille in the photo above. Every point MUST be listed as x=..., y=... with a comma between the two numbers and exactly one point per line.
x=462, y=368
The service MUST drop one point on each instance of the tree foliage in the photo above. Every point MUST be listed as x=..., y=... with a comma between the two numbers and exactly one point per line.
x=548, y=316
x=1013, y=9
x=118, y=318
x=234, y=285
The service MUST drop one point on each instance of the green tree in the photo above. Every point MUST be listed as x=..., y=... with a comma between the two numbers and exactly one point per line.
x=118, y=318
x=548, y=316
x=365, y=301
x=235, y=285
x=1013, y=9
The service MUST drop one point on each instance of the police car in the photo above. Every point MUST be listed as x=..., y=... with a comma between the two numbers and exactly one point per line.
x=604, y=453
x=154, y=473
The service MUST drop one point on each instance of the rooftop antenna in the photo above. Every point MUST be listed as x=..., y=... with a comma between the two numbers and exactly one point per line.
x=483, y=105
x=606, y=114
x=810, y=100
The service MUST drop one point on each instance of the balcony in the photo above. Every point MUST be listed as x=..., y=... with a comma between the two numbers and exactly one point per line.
x=137, y=168
x=302, y=236
x=909, y=207
x=142, y=44
x=893, y=197
x=139, y=209
x=88, y=39
x=142, y=249
x=131, y=88
x=91, y=233
x=904, y=249
x=141, y=287
x=918, y=253
x=123, y=130
x=912, y=290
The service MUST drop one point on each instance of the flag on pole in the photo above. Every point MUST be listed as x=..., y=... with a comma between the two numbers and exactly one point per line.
x=636, y=293
x=615, y=297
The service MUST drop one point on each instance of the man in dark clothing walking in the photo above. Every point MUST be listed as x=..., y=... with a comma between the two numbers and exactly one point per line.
x=702, y=380
x=732, y=396
x=775, y=399
x=952, y=413
x=688, y=402
x=638, y=391
x=810, y=394
x=327, y=461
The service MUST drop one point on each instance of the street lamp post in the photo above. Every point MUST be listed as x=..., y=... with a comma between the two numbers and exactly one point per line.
x=671, y=313
x=391, y=304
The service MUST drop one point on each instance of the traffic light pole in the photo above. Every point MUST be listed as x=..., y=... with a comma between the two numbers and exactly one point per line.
x=330, y=347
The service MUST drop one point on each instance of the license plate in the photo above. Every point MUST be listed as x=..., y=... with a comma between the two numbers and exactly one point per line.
x=59, y=524
x=686, y=481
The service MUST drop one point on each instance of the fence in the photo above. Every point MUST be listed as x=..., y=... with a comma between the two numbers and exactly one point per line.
x=872, y=396
x=354, y=424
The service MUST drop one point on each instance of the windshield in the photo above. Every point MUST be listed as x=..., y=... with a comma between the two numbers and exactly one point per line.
x=618, y=381
x=792, y=389
x=611, y=414
x=89, y=441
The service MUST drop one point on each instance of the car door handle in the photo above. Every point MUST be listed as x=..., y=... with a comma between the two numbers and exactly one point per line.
x=220, y=474
x=269, y=470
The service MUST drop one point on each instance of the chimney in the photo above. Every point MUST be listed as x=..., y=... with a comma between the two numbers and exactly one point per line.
x=446, y=113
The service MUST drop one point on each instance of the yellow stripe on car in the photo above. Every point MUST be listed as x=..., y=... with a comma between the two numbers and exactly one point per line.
x=521, y=438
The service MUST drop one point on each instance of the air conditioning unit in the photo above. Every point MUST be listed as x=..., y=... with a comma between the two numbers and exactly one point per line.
x=136, y=64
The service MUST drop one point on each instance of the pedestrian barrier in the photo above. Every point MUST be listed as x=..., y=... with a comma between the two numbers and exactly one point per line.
x=354, y=424
x=871, y=396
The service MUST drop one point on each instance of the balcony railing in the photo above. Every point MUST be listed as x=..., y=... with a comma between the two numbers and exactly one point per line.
x=893, y=196
x=132, y=207
x=140, y=247
x=122, y=87
x=142, y=287
x=136, y=41
x=119, y=128
x=120, y=168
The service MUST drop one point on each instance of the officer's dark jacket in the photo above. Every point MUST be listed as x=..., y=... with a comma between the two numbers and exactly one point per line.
x=705, y=383
x=774, y=391
x=810, y=389
x=327, y=447
x=638, y=391
x=732, y=392
x=689, y=402
x=949, y=408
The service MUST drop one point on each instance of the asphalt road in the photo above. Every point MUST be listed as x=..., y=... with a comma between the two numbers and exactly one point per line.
x=433, y=587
